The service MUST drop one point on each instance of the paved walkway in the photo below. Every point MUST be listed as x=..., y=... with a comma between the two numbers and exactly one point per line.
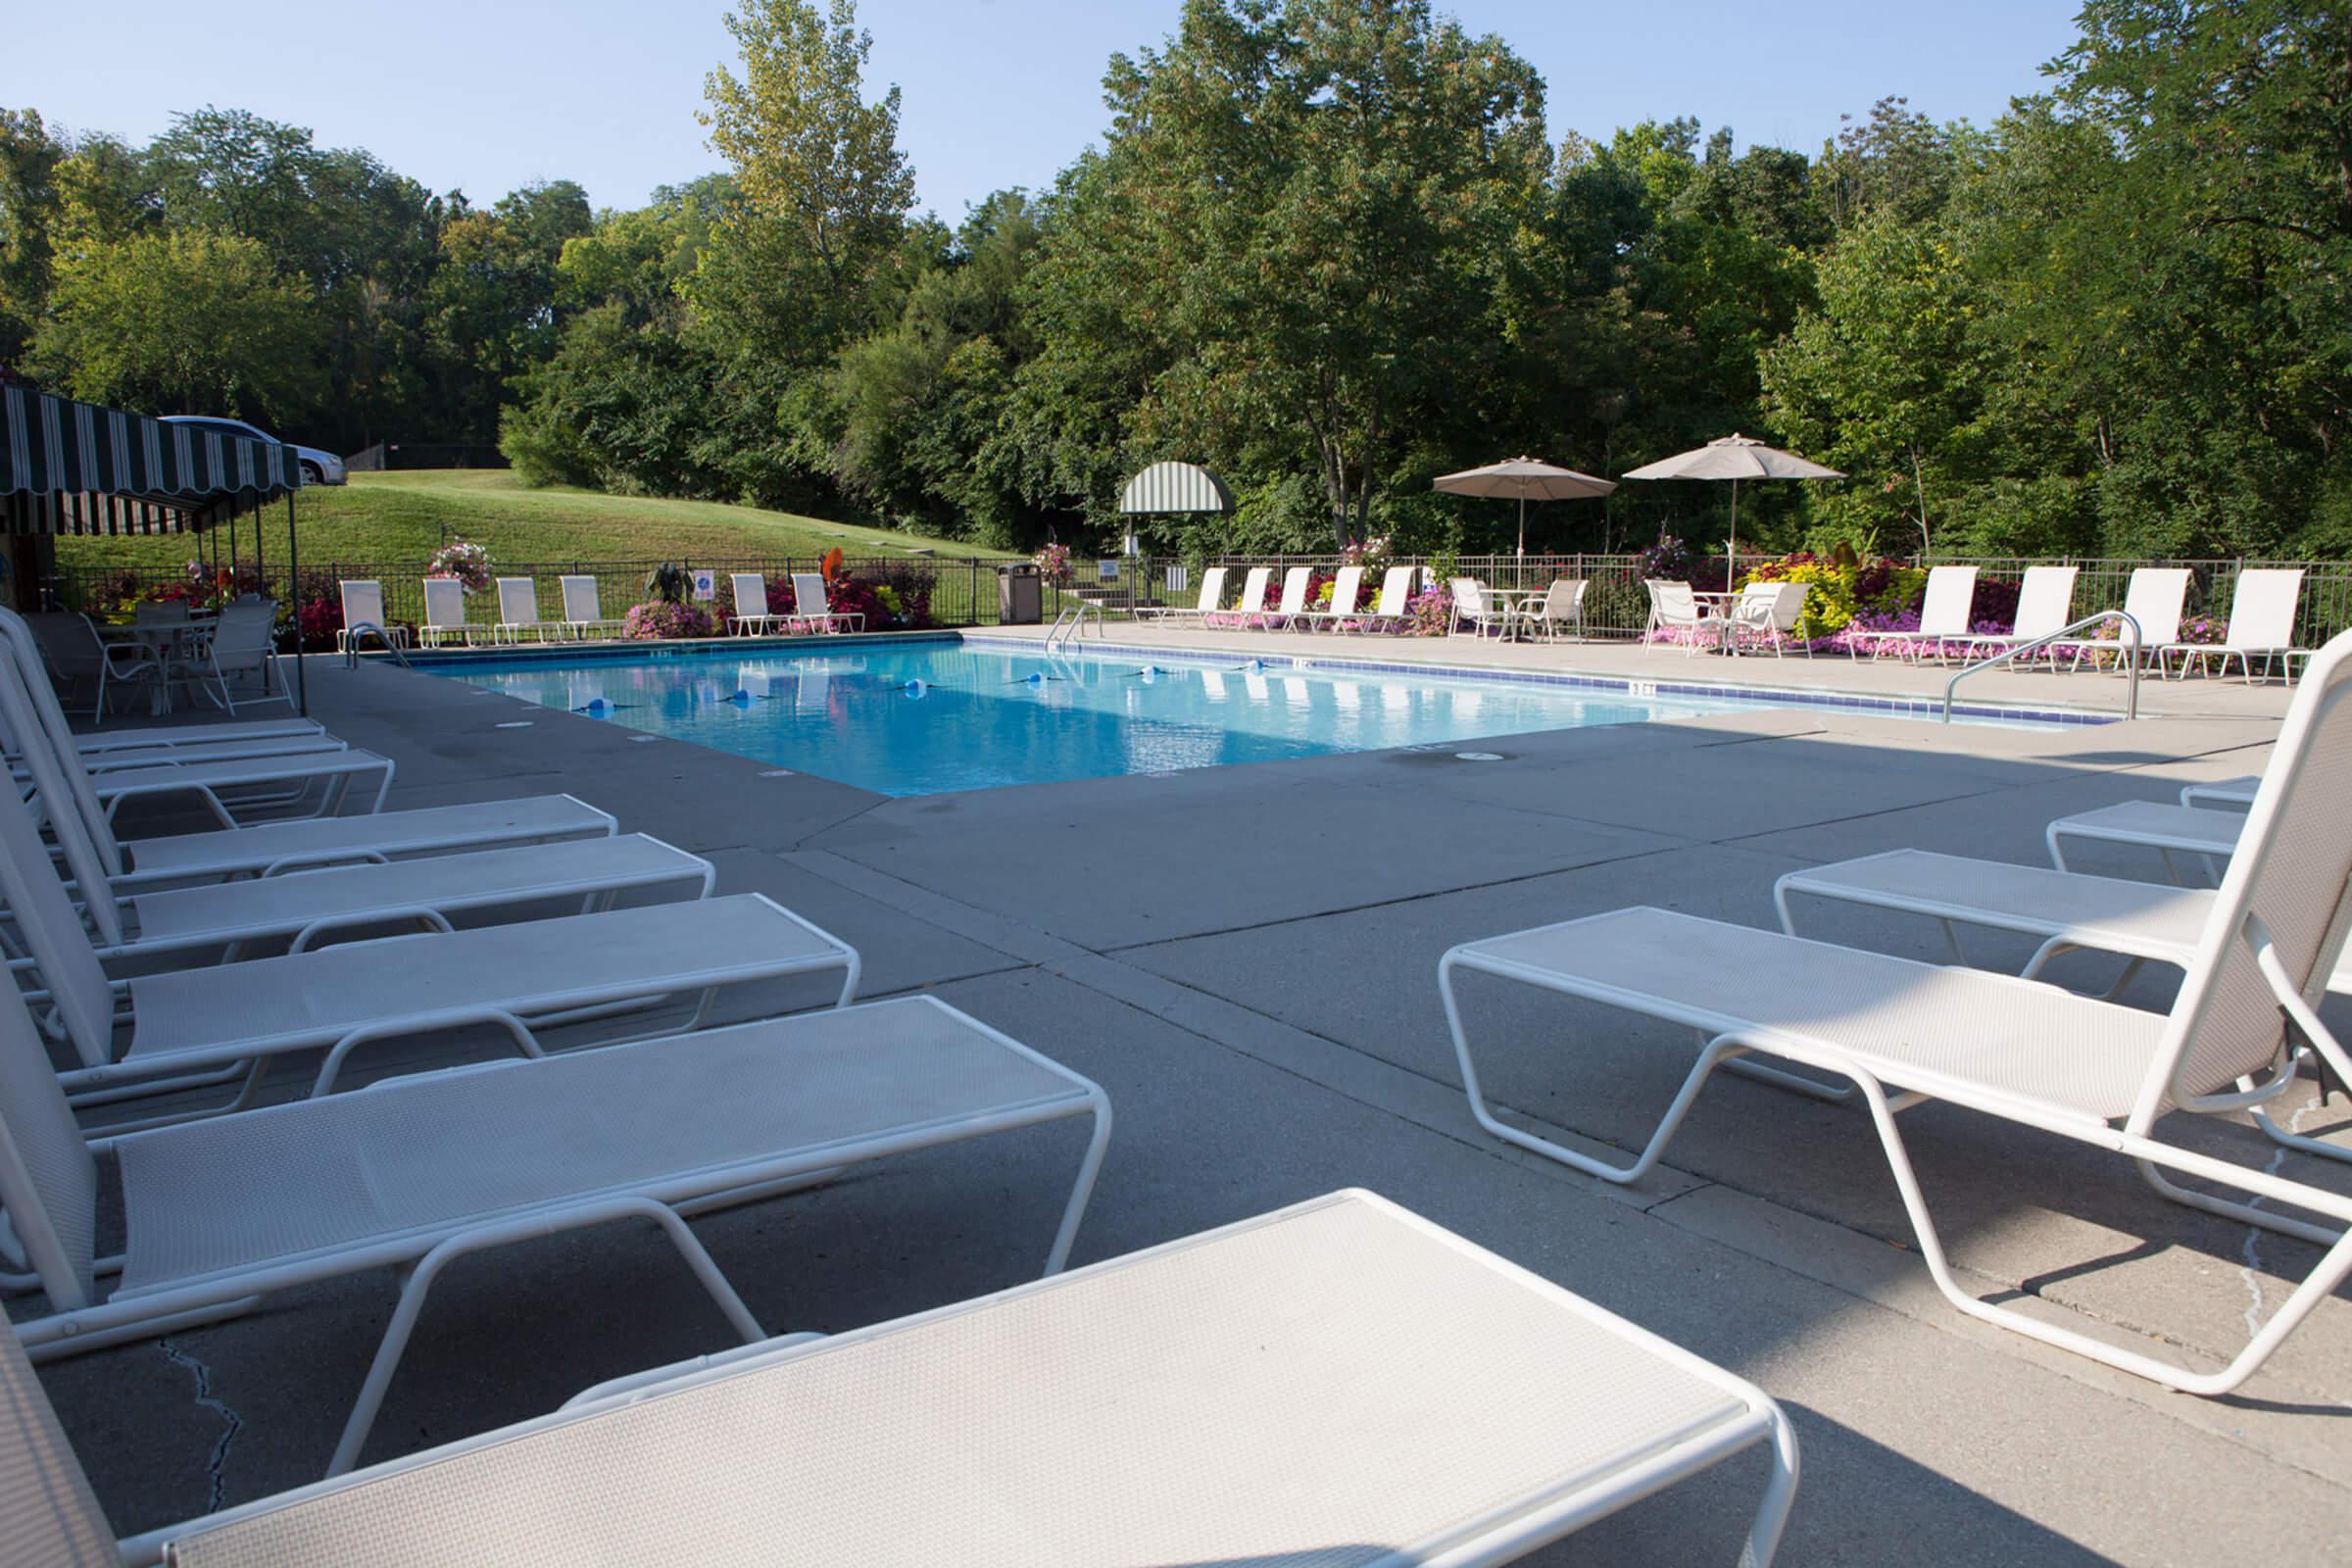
x=1245, y=957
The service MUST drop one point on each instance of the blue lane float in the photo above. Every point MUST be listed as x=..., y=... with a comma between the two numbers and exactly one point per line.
x=915, y=688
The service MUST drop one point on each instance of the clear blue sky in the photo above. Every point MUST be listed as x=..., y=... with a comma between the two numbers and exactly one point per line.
x=488, y=95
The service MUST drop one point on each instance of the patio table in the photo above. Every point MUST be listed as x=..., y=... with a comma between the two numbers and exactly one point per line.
x=165, y=642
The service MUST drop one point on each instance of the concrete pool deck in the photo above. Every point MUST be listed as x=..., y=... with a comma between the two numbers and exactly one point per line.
x=1244, y=958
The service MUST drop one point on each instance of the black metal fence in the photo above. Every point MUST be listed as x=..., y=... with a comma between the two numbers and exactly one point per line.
x=955, y=592
x=388, y=455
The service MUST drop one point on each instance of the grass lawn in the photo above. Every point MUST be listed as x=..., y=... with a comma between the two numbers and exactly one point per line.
x=396, y=520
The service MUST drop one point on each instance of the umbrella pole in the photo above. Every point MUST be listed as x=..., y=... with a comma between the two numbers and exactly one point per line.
x=1523, y=527
x=1731, y=564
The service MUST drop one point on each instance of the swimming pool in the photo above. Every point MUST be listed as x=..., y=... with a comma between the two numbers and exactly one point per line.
x=925, y=717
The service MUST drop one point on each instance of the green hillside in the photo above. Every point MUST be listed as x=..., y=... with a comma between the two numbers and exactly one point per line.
x=393, y=520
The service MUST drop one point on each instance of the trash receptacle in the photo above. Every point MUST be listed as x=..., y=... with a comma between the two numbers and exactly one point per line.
x=1020, y=596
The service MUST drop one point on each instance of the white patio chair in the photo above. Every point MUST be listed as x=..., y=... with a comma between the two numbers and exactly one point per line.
x=1905, y=1032
x=264, y=848
x=1943, y=616
x=363, y=604
x=1213, y=594
x=1291, y=1331
x=752, y=614
x=2262, y=620
x=1563, y=607
x=1252, y=601
x=420, y=1170
x=808, y=590
x=243, y=646
x=583, y=611
x=1346, y=595
x=72, y=650
x=2046, y=603
x=1474, y=608
x=2156, y=599
x=2239, y=791
x=445, y=613
x=518, y=611
x=1766, y=614
x=1674, y=607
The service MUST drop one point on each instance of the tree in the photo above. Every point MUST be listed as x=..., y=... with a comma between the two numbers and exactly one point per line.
x=185, y=323
x=1301, y=204
x=30, y=204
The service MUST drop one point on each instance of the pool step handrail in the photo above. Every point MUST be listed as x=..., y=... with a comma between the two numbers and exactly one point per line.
x=2132, y=643
x=1070, y=622
x=352, y=636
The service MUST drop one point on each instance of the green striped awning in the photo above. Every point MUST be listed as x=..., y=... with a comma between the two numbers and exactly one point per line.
x=1169, y=489
x=74, y=468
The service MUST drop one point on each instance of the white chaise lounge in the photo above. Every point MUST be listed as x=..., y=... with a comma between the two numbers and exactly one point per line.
x=1213, y=594
x=2020, y=1051
x=1251, y=1395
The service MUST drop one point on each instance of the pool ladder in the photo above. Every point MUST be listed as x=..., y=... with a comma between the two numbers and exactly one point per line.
x=358, y=632
x=1071, y=622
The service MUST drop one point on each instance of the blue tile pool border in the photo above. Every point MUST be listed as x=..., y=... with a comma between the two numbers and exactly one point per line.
x=1773, y=696
x=441, y=659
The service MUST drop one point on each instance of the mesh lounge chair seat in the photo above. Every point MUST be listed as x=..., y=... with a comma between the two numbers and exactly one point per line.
x=1213, y=594
x=583, y=612
x=320, y=781
x=2239, y=791
x=811, y=608
x=336, y=996
x=752, y=614
x=518, y=611
x=1234, y=1396
x=192, y=753
x=1943, y=614
x=298, y=908
x=433, y=1165
x=388, y=835
x=1346, y=593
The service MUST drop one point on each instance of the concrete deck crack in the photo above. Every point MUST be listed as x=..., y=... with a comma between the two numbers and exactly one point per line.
x=232, y=1422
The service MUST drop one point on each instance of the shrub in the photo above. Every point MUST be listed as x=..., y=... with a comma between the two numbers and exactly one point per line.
x=1841, y=592
x=1429, y=613
x=664, y=617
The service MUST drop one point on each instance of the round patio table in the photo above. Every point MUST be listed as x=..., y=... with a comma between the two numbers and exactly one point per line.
x=167, y=643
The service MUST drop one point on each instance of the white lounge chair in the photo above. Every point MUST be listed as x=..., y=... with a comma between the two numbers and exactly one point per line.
x=2155, y=600
x=445, y=613
x=518, y=611
x=197, y=923
x=1132, y=1443
x=422, y=1169
x=753, y=617
x=2239, y=791
x=267, y=849
x=1472, y=607
x=1943, y=616
x=1674, y=607
x=1395, y=601
x=278, y=782
x=341, y=997
x=2262, y=621
x=2154, y=825
x=2046, y=603
x=1766, y=613
x=363, y=606
x=2016, y=1050
x=1293, y=604
x=1347, y=594
x=1563, y=607
x=1213, y=594
x=809, y=589
x=1252, y=601
x=584, y=612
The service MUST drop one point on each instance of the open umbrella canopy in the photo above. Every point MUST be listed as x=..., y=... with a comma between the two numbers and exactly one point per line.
x=1525, y=479
x=1735, y=456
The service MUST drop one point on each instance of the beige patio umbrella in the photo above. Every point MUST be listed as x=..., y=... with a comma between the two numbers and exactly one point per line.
x=1527, y=479
x=1735, y=456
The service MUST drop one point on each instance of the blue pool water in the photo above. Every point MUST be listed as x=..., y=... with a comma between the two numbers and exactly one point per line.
x=980, y=719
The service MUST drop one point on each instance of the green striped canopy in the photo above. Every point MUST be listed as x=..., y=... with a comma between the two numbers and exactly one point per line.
x=1167, y=489
x=74, y=468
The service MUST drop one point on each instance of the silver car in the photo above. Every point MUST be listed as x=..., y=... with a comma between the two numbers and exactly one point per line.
x=317, y=468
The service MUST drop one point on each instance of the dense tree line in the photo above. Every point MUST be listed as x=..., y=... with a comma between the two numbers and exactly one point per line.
x=1331, y=247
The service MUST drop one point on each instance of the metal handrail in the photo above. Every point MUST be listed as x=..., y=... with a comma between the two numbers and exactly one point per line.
x=2135, y=642
x=351, y=644
x=1070, y=623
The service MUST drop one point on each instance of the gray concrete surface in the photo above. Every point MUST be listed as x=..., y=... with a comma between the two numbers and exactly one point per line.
x=1244, y=958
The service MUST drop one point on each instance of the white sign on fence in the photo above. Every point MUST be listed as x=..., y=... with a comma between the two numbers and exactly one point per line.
x=1107, y=570
x=705, y=583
